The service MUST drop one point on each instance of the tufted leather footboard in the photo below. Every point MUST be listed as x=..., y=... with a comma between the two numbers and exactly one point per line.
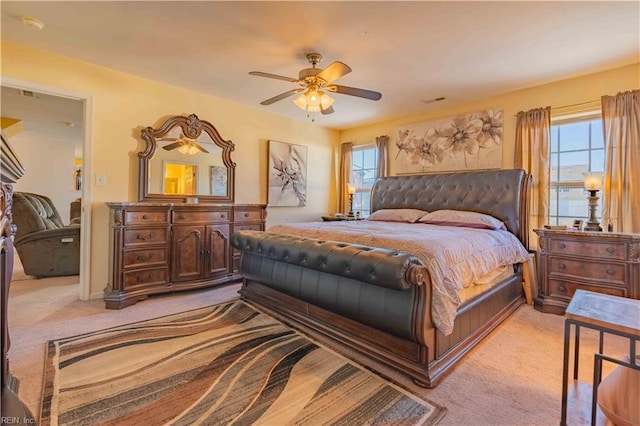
x=372, y=286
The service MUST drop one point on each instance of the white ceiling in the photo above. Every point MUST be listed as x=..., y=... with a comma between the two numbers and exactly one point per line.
x=408, y=51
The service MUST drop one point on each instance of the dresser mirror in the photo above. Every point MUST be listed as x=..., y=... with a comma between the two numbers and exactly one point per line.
x=186, y=160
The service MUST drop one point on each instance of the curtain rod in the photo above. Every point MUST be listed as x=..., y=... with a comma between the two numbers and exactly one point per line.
x=578, y=104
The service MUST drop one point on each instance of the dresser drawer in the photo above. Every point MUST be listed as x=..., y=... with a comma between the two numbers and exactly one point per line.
x=247, y=216
x=252, y=227
x=146, y=217
x=580, y=268
x=145, y=257
x=201, y=217
x=566, y=289
x=145, y=277
x=601, y=250
x=145, y=236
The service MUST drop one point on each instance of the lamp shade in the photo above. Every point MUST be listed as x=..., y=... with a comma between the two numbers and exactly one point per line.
x=593, y=181
x=188, y=150
x=351, y=188
x=313, y=101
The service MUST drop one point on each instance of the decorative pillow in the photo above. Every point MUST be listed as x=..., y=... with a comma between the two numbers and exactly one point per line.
x=397, y=215
x=462, y=218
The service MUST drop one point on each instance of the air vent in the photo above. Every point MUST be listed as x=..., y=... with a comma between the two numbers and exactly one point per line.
x=430, y=101
x=28, y=93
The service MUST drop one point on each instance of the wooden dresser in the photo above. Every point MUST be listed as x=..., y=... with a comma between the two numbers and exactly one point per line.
x=604, y=262
x=164, y=247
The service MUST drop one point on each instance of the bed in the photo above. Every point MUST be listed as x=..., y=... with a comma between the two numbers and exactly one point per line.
x=392, y=299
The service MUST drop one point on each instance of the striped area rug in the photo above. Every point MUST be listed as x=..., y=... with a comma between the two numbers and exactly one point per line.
x=224, y=364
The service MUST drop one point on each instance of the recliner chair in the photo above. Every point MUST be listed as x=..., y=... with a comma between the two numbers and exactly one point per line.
x=47, y=248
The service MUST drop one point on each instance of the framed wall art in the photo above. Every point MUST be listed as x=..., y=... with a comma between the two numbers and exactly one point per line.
x=218, y=180
x=287, y=174
x=465, y=142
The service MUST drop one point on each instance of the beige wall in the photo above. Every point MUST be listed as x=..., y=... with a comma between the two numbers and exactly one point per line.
x=50, y=169
x=558, y=94
x=123, y=104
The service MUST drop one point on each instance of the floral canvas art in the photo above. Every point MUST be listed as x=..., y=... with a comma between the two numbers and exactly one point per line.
x=287, y=174
x=464, y=142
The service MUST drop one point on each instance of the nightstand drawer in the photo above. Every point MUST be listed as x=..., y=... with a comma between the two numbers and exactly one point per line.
x=579, y=268
x=566, y=289
x=586, y=248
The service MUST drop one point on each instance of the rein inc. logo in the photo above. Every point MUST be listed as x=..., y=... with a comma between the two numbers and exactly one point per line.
x=15, y=420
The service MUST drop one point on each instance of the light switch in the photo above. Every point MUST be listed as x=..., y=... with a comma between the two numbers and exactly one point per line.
x=101, y=179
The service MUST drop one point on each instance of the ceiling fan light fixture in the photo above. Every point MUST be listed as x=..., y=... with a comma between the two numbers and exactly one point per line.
x=188, y=149
x=313, y=101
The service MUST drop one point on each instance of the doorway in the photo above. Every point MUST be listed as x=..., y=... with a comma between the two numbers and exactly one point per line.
x=52, y=141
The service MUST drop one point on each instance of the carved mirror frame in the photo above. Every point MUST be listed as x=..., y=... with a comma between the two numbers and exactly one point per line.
x=192, y=127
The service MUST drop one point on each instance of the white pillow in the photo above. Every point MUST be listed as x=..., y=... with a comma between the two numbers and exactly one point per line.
x=462, y=218
x=397, y=215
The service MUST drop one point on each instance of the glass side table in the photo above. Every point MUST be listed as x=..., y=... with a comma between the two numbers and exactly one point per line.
x=606, y=314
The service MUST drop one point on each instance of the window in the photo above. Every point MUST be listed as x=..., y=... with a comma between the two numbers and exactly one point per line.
x=577, y=146
x=364, y=171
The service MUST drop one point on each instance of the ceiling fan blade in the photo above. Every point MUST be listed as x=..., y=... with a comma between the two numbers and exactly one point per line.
x=281, y=96
x=200, y=147
x=279, y=77
x=334, y=71
x=173, y=145
x=327, y=111
x=353, y=91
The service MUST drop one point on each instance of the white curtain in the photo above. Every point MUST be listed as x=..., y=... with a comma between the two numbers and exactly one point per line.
x=532, y=153
x=621, y=127
x=382, y=142
x=346, y=150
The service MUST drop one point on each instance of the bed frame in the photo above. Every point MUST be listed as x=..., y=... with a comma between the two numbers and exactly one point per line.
x=422, y=352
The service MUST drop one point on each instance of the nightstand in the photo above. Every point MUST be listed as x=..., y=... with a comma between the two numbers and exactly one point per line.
x=603, y=262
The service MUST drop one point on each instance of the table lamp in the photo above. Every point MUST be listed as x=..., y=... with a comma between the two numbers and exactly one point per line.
x=593, y=184
x=351, y=189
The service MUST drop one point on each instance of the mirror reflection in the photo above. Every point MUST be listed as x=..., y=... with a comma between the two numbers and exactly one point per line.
x=184, y=166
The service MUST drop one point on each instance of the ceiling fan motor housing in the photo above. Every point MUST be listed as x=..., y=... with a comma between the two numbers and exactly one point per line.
x=309, y=74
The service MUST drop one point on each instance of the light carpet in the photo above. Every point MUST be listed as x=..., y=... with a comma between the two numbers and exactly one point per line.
x=223, y=364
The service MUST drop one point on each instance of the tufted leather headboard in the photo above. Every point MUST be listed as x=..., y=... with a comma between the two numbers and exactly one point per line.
x=502, y=193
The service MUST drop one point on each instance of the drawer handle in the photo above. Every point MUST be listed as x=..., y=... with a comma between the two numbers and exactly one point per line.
x=144, y=279
x=562, y=266
x=610, y=272
x=610, y=250
x=145, y=217
x=145, y=237
x=180, y=216
x=562, y=288
x=563, y=245
x=141, y=258
x=246, y=215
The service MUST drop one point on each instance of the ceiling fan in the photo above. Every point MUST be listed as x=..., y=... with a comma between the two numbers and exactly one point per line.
x=185, y=145
x=313, y=81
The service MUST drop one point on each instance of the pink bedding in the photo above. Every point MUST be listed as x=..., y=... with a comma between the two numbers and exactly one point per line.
x=455, y=256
